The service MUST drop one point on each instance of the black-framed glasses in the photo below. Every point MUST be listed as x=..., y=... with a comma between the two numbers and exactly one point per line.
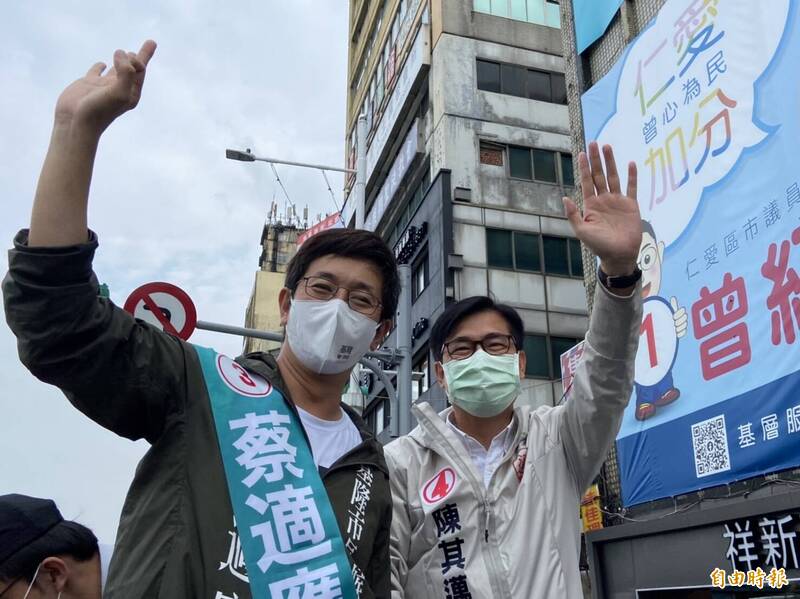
x=495, y=344
x=361, y=301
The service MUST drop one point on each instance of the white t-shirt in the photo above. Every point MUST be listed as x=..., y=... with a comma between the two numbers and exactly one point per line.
x=330, y=439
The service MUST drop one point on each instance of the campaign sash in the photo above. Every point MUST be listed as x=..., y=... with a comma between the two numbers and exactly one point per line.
x=288, y=531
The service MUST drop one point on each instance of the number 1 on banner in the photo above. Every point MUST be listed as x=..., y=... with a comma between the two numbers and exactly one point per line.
x=647, y=328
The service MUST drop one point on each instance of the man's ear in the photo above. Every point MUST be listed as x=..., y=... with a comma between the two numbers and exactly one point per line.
x=439, y=371
x=523, y=360
x=284, y=304
x=661, y=251
x=55, y=572
x=380, y=334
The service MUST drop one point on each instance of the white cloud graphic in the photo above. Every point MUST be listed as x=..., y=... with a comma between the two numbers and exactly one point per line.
x=685, y=117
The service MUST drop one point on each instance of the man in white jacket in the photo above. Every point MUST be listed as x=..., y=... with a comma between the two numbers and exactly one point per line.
x=486, y=494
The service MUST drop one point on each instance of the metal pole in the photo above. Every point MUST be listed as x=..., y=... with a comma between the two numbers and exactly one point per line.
x=404, y=349
x=389, y=391
x=248, y=156
x=361, y=171
x=387, y=356
x=307, y=165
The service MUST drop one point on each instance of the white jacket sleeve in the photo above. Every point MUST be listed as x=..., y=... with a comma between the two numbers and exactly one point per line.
x=400, y=537
x=603, y=383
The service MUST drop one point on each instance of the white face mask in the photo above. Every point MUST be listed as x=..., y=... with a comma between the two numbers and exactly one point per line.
x=328, y=337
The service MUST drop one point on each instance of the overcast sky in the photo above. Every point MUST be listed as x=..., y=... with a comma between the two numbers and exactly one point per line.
x=264, y=74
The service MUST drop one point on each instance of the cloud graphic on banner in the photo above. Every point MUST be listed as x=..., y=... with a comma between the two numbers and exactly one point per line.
x=685, y=101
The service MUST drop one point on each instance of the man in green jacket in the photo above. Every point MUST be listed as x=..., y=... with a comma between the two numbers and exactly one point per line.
x=318, y=527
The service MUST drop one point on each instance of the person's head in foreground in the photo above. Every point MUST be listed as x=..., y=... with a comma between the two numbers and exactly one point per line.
x=338, y=300
x=42, y=555
x=477, y=344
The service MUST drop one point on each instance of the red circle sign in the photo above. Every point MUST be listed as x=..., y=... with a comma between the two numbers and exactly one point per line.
x=440, y=486
x=164, y=306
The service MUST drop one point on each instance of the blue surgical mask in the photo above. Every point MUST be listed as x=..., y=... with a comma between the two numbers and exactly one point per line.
x=483, y=385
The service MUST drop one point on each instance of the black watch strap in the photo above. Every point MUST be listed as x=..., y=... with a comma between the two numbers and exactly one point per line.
x=619, y=282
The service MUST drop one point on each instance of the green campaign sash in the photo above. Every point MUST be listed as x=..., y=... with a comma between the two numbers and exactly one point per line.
x=288, y=531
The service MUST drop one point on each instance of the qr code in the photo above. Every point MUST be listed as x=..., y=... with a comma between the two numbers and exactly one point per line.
x=710, y=441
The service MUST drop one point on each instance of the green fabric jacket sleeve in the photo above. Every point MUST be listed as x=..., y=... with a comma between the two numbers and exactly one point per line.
x=123, y=374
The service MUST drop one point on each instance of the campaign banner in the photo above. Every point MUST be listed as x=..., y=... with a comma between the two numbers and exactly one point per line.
x=705, y=101
x=332, y=221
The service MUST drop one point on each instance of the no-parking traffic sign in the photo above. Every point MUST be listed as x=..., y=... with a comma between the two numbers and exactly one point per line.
x=164, y=306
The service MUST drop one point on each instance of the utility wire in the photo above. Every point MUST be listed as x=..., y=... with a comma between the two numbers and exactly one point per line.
x=333, y=197
x=278, y=179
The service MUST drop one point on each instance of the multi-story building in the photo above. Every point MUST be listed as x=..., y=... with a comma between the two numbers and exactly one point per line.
x=678, y=546
x=278, y=245
x=468, y=154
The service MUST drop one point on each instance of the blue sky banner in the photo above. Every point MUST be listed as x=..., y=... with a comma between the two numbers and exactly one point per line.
x=706, y=102
x=592, y=18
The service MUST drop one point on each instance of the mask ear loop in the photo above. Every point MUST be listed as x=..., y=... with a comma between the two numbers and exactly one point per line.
x=30, y=586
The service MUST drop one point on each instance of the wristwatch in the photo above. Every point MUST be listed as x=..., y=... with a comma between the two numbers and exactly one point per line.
x=619, y=282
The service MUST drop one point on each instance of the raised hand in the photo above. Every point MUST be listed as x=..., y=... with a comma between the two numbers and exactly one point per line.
x=95, y=100
x=610, y=225
x=83, y=112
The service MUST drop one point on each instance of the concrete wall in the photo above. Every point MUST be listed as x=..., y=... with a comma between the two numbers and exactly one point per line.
x=458, y=18
x=463, y=115
x=263, y=312
x=548, y=304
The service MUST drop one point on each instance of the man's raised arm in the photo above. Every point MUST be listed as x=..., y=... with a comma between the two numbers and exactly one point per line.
x=83, y=111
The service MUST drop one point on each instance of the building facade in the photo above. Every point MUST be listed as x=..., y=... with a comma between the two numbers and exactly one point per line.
x=278, y=246
x=669, y=548
x=468, y=155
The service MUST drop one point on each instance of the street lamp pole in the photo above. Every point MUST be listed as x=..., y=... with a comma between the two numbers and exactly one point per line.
x=248, y=156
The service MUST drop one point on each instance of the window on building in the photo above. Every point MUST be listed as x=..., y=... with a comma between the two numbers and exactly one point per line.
x=558, y=87
x=519, y=163
x=491, y=154
x=567, y=172
x=541, y=12
x=419, y=275
x=536, y=362
x=543, y=355
x=531, y=252
x=499, y=248
x=526, y=251
x=556, y=255
x=512, y=80
x=562, y=256
x=513, y=250
x=539, y=85
x=488, y=76
x=520, y=81
x=540, y=165
x=544, y=165
x=575, y=258
x=421, y=376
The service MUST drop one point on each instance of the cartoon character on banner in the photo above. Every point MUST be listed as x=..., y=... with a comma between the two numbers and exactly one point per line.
x=663, y=323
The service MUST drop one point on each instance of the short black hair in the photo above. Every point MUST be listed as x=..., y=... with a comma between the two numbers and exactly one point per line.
x=648, y=228
x=349, y=243
x=456, y=313
x=66, y=538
